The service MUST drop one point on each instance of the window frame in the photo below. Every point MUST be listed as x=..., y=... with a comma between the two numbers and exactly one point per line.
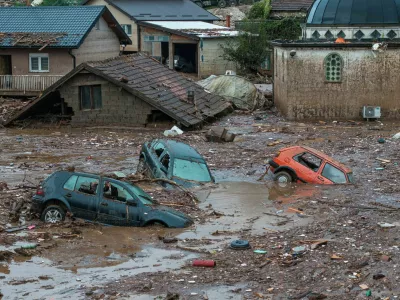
x=39, y=56
x=341, y=68
x=335, y=167
x=118, y=186
x=91, y=93
x=76, y=188
x=297, y=156
x=126, y=26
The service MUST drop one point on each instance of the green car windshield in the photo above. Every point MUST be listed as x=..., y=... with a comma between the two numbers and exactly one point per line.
x=190, y=170
x=142, y=195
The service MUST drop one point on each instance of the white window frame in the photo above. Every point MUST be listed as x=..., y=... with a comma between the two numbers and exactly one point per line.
x=39, y=55
x=123, y=27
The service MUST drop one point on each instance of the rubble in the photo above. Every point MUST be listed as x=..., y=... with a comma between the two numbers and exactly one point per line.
x=9, y=106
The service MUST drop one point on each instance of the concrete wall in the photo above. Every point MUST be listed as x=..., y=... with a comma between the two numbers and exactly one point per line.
x=301, y=92
x=60, y=62
x=210, y=60
x=122, y=19
x=118, y=106
x=99, y=44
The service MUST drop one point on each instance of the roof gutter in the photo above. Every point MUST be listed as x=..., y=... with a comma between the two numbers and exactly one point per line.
x=73, y=58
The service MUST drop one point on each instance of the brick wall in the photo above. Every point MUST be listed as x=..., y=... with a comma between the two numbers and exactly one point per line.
x=301, y=91
x=118, y=106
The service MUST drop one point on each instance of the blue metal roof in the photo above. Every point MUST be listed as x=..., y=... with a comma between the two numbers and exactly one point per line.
x=67, y=25
x=349, y=12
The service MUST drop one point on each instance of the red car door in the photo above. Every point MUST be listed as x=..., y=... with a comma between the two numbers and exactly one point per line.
x=307, y=167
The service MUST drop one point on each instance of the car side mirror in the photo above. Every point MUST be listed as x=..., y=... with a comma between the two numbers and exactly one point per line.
x=131, y=202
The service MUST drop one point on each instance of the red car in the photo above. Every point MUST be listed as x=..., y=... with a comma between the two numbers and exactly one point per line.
x=305, y=164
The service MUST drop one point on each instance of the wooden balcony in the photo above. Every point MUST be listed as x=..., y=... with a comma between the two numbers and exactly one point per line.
x=26, y=85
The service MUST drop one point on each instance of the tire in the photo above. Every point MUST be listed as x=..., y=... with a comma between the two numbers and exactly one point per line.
x=240, y=245
x=283, y=178
x=141, y=168
x=222, y=3
x=53, y=214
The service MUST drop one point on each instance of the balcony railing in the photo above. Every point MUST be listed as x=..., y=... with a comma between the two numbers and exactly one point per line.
x=25, y=84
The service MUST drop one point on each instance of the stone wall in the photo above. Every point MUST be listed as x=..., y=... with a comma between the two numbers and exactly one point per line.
x=118, y=106
x=301, y=91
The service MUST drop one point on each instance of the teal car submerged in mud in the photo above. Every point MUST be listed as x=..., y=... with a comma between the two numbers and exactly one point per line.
x=105, y=200
x=176, y=161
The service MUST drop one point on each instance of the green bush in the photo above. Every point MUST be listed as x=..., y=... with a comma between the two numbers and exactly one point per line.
x=260, y=10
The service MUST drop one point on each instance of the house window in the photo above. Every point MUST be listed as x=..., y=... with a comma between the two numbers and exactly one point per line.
x=39, y=63
x=333, y=68
x=127, y=28
x=90, y=97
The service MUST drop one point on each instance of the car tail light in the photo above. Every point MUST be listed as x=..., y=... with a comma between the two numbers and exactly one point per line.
x=40, y=191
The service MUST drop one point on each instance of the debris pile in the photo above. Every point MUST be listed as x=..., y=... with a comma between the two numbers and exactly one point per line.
x=8, y=107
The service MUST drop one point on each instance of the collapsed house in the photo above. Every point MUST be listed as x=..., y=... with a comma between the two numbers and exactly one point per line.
x=132, y=90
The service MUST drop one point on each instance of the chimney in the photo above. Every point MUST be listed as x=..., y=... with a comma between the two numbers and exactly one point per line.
x=190, y=95
x=228, y=20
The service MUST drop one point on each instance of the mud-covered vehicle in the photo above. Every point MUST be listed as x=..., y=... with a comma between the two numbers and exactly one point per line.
x=106, y=200
x=174, y=161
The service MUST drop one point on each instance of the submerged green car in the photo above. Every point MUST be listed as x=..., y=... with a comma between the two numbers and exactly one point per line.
x=172, y=160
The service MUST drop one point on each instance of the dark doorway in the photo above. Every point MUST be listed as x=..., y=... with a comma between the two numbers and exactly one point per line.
x=187, y=57
x=5, y=65
x=164, y=52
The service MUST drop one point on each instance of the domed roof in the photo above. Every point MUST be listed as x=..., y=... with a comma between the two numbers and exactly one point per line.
x=349, y=12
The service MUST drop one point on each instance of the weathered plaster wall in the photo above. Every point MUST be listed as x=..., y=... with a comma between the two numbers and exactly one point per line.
x=122, y=19
x=301, y=92
x=119, y=107
x=211, y=61
x=99, y=44
x=60, y=62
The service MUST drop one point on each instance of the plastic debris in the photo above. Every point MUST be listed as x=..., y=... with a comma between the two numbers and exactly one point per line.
x=258, y=251
x=173, y=131
x=368, y=293
x=363, y=286
x=386, y=225
x=204, y=263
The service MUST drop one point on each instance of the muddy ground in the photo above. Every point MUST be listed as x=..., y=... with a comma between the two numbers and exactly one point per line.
x=346, y=254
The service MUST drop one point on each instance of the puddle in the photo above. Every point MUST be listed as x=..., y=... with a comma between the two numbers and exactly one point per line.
x=102, y=256
x=252, y=207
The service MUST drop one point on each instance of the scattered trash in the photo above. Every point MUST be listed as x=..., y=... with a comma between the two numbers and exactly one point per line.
x=191, y=281
x=368, y=293
x=240, y=245
x=274, y=143
x=31, y=227
x=381, y=141
x=169, y=240
x=378, y=276
x=363, y=286
x=386, y=225
x=29, y=246
x=379, y=169
x=258, y=251
x=314, y=244
x=397, y=136
x=204, y=263
x=386, y=161
x=299, y=249
x=386, y=258
x=173, y=131
x=18, y=228
x=119, y=174
x=336, y=257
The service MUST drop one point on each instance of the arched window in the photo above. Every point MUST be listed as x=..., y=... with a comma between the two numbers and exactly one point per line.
x=333, y=67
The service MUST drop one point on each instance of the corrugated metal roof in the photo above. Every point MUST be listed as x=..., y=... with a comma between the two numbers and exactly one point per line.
x=349, y=12
x=68, y=24
x=291, y=5
x=148, y=10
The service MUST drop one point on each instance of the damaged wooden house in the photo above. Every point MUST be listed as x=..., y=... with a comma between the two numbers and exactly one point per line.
x=39, y=45
x=130, y=90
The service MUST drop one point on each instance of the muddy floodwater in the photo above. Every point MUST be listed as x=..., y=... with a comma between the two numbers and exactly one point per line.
x=105, y=254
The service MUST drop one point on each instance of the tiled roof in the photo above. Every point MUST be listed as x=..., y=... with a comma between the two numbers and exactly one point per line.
x=147, y=79
x=163, y=10
x=69, y=24
x=291, y=5
x=163, y=88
